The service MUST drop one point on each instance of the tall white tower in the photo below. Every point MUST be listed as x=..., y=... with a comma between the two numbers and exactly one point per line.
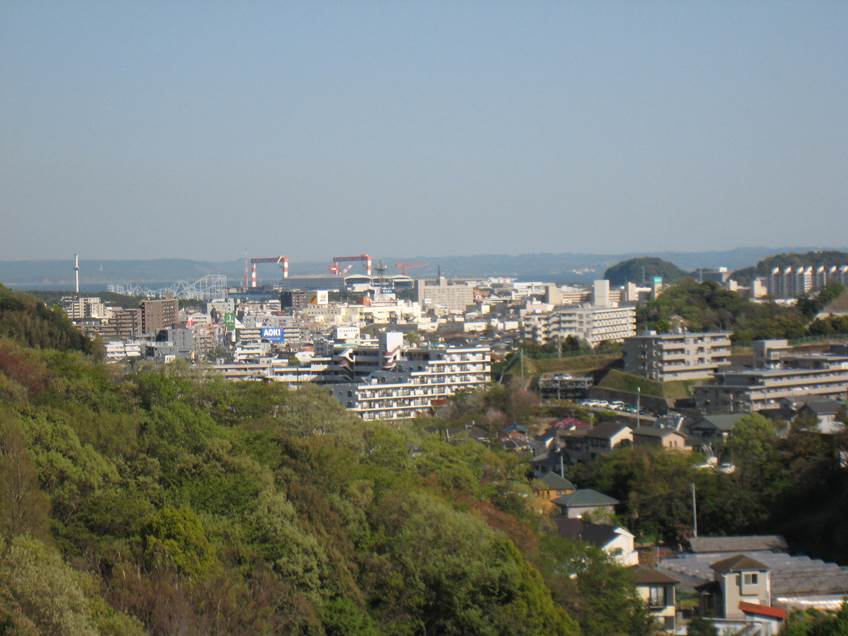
x=76, y=272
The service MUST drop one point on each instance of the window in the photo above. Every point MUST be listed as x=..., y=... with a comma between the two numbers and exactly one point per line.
x=656, y=596
x=750, y=578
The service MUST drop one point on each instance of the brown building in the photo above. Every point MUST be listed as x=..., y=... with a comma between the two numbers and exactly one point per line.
x=159, y=314
x=124, y=324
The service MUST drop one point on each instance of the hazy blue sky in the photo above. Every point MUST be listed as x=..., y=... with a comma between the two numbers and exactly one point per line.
x=200, y=129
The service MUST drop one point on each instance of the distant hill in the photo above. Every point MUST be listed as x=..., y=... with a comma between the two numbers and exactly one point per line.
x=790, y=259
x=566, y=267
x=643, y=270
x=31, y=323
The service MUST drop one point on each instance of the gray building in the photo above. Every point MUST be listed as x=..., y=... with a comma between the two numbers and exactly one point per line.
x=677, y=356
x=799, y=376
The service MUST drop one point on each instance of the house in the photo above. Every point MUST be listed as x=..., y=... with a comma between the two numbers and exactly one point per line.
x=715, y=427
x=658, y=590
x=661, y=437
x=791, y=581
x=584, y=502
x=588, y=444
x=740, y=595
x=549, y=460
x=616, y=541
x=552, y=486
x=825, y=412
x=739, y=578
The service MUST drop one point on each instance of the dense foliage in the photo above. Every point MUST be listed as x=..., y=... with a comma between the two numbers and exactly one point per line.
x=816, y=623
x=643, y=270
x=164, y=503
x=792, y=485
x=709, y=307
x=31, y=322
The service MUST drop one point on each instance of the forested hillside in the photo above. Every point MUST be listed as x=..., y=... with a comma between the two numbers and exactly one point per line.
x=165, y=503
x=708, y=307
x=643, y=270
x=31, y=322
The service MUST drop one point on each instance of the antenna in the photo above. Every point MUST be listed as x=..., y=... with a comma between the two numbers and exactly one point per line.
x=76, y=273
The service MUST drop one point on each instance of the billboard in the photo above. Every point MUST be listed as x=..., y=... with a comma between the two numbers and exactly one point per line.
x=272, y=334
x=230, y=321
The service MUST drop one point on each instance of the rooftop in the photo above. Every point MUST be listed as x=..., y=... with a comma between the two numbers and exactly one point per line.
x=749, y=543
x=738, y=563
x=585, y=497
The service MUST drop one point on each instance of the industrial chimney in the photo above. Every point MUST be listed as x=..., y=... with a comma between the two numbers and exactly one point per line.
x=76, y=272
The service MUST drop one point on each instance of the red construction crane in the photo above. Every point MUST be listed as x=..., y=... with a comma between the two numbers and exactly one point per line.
x=405, y=267
x=283, y=261
x=344, y=259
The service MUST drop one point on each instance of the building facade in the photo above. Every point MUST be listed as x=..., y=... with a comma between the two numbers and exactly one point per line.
x=159, y=314
x=799, y=376
x=677, y=356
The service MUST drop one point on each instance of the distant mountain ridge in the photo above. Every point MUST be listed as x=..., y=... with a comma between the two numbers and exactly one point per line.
x=563, y=268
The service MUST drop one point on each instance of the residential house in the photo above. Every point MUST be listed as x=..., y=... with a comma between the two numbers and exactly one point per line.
x=739, y=578
x=552, y=486
x=658, y=590
x=715, y=427
x=616, y=541
x=588, y=444
x=586, y=502
x=825, y=412
x=666, y=438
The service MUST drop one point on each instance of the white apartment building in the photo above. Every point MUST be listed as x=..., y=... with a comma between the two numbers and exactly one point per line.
x=669, y=357
x=84, y=308
x=419, y=382
x=592, y=324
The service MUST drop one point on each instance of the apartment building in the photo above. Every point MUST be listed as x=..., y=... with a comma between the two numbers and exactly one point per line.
x=587, y=322
x=791, y=282
x=417, y=382
x=798, y=377
x=123, y=324
x=79, y=309
x=443, y=295
x=159, y=314
x=670, y=357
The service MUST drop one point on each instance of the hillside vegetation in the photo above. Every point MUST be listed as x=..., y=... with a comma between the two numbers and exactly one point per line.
x=643, y=270
x=708, y=307
x=163, y=503
x=30, y=322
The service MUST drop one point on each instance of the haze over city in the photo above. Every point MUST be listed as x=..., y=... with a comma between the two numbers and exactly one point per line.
x=204, y=130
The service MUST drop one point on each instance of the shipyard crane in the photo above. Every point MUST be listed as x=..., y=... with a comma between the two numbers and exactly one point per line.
x=405, y=267
x=364, y=258
x=282, y=261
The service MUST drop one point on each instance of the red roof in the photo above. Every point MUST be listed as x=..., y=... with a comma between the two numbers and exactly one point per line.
x=763, y=610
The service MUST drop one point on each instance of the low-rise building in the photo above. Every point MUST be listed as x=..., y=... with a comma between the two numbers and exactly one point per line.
x=658, y=591
x=616, y=541
x=799, y=376
x=586, y=502
x=665, y=438
x=670, y=357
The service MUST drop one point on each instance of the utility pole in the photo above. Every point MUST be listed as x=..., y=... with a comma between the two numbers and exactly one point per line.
x=561, y=465
x=694, y=512
x=638, y=406
x=521, y=359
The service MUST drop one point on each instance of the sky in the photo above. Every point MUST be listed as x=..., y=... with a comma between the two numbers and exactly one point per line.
x=209, y=130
